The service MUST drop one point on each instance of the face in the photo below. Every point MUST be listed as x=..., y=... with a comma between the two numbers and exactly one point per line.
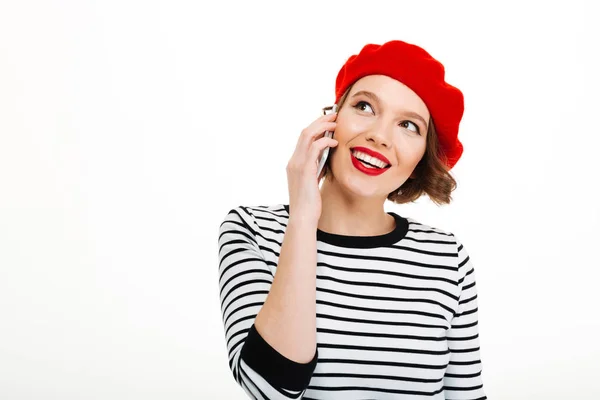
x=383, y=115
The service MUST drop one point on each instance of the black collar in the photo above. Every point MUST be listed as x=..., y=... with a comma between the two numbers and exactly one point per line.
x=364, y=242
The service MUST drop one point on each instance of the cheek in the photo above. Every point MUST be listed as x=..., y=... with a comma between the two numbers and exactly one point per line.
x=409, y=152
x=351, y=127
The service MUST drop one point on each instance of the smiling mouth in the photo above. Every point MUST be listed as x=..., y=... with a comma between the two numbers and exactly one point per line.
x=366, y=168
x=368, y=163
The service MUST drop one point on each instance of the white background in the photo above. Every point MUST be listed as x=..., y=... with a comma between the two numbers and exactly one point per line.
x=128, y=130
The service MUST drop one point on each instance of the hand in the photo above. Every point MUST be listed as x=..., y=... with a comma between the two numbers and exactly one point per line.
x=303, y=183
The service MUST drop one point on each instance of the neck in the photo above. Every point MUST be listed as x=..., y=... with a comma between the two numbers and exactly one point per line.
x=345, y=213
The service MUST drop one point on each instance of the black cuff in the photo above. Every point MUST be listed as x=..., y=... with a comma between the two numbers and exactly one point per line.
x=279, y=371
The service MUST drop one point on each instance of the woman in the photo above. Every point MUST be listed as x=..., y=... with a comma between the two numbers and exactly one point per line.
x=330, y=297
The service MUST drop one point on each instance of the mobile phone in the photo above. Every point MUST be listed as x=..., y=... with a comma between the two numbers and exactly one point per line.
x=325, y=153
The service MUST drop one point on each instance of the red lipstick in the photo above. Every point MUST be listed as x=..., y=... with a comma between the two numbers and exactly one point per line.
x=372, y=153
x=369, y=171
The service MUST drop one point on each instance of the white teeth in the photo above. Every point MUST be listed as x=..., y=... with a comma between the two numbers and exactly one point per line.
x=368, y=166
x=369, y=159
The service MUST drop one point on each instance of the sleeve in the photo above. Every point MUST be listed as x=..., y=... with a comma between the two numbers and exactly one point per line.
x=462, y=379
x=244, y=283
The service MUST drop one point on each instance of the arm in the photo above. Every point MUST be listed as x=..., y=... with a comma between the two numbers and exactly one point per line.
x=462, y=379
x=269, y=320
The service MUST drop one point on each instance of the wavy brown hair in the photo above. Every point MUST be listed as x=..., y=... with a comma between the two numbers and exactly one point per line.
x=433, y=177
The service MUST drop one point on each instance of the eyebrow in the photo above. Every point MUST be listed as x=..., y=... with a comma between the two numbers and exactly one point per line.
x=378, y=101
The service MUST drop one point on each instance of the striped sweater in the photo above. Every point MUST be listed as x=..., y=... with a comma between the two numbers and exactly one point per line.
x=396, y=313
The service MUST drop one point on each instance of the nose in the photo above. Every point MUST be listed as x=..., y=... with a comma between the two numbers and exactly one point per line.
x=381, y=134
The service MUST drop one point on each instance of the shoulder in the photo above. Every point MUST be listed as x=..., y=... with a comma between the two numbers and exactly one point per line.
x=419, y=228
x=444, y=241
x=421, y=231
x=257, y=213
x=252, y=210
x=256, y=217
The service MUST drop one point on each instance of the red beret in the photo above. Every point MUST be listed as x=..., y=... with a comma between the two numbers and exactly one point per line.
x=422, y=73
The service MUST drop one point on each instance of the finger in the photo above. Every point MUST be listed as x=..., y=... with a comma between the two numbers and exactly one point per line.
x=300, y=161
x=326, y=117
x=320, y=144
x=309, y=136
x=312, y=132
x=319, y=121
x=315, y=127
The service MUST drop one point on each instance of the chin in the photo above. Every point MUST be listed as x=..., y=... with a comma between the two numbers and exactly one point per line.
x=361, y=188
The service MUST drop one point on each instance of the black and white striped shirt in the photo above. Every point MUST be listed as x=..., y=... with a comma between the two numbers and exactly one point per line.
x=396, y=313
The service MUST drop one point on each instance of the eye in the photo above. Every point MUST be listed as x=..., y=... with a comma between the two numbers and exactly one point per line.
x=362, y=103
x=415, y=125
